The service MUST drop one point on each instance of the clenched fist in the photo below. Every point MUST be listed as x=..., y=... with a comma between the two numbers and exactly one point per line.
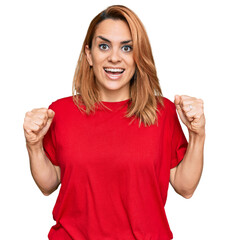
x=36, y=125
x=191, y=112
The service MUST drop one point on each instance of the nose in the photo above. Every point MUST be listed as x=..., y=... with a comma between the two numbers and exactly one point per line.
x=114, y=56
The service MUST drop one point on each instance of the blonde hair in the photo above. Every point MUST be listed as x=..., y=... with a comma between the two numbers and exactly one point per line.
x=145, y=90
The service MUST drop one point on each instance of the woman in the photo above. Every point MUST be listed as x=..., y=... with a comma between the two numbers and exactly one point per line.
x=117, y=143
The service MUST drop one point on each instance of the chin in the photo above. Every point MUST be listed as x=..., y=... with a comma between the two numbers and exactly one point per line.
x=114, y=85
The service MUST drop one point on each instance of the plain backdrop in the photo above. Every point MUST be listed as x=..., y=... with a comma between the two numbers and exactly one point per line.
x=39, y=48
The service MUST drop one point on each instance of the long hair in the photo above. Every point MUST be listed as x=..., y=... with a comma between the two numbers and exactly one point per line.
x=145, y=90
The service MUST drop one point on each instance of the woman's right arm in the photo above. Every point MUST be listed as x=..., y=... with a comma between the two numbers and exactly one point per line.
x=45, y=174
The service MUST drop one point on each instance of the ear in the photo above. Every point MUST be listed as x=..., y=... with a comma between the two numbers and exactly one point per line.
x=88, y=55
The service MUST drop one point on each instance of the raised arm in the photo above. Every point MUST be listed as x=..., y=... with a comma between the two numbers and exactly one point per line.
x=185, y=177
x=45, y=174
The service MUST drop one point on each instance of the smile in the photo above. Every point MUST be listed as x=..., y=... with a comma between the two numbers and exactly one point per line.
x=114, y=73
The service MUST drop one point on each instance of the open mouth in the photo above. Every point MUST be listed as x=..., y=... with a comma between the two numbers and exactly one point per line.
x=114, y=73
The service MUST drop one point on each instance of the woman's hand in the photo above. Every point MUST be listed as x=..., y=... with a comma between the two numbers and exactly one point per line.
x=36, y=125
x=191, y=112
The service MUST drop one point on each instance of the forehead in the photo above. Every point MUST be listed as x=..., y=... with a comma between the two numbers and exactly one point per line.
x=114, y=30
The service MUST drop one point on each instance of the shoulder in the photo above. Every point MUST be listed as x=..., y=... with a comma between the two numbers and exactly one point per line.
x=169, y=114
x=169, y=106
x=62, y=103
x=63, y=108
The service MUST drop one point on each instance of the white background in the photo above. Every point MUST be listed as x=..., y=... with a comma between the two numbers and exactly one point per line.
x=39, y=49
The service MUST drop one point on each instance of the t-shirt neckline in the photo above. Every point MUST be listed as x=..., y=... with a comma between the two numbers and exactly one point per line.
x=116, y=105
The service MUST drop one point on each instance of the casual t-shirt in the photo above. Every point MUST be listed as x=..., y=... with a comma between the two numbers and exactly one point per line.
x=114, y=175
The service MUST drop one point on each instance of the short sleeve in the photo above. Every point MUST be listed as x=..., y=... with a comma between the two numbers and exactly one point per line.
x=49, y=141
x=179, y=141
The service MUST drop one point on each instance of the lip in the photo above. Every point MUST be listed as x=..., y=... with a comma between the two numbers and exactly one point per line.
x=114, y=76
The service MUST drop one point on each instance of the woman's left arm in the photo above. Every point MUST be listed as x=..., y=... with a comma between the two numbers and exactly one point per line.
x=185, y=177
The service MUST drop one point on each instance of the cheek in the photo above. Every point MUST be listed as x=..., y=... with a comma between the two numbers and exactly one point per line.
x=97, y=57
x=132, y=66
x=98, y=65
x=130, y=61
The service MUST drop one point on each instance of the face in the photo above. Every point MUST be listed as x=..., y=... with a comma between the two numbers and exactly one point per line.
x=111, y=57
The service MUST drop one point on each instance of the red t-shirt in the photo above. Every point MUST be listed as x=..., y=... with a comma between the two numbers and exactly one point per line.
x=114, y=175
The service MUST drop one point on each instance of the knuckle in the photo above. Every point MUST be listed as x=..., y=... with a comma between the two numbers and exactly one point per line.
x=26, y=120
x=44, y=116
x=186, y=108
x=24, y=126
x=201, y=103
x=185, y=103
x=28, y=114
x=44, y=110
x=40, y=122
x=36, y=127
x=39, y=110
x=190, y=119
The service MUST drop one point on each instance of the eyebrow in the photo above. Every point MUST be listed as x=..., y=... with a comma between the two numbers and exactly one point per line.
x=105, y=39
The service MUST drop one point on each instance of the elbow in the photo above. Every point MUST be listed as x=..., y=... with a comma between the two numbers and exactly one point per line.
x=187, y=196
x=46, y=193
x=184, y=193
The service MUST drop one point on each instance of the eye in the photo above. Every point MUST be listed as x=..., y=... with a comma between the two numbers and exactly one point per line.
x=103, y=46
x=127, y=48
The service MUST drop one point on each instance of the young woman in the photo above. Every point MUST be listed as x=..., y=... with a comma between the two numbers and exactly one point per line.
x=116, y=143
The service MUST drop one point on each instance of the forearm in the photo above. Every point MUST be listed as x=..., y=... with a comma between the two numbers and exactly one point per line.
x=43, y=171
x=189, y=171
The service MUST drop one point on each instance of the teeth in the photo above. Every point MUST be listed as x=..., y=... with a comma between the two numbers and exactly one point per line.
x=114, y=70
